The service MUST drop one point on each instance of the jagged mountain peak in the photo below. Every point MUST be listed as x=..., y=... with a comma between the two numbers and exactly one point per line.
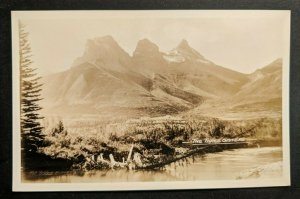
x=107, y=38
x=184, y=52
x=107, y=42
x=145, y=41
x=104, y=52
x=187, y=51
x=184, y=44
x=145, y=46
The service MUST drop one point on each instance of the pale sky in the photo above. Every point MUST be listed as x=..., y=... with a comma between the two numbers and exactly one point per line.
x=240, y=40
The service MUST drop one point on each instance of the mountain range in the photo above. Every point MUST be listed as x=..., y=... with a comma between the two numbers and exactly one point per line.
x=106, y=80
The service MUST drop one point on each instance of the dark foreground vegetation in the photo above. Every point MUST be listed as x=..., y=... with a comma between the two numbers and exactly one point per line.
x=146, y=143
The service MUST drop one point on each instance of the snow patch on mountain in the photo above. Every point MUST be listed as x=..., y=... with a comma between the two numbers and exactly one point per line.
x=174, y=57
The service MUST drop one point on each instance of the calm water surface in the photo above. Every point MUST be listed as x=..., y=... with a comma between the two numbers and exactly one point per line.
x=222, y=166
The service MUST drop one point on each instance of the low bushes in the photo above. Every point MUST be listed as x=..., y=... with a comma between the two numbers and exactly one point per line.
x=152, y=138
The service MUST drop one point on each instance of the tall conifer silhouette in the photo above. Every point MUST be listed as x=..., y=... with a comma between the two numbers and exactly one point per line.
x=30, y=89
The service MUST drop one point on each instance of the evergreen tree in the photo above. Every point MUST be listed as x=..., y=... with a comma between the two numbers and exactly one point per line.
x=30, y=88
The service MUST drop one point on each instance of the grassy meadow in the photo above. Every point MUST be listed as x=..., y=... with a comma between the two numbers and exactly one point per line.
x=149, y=141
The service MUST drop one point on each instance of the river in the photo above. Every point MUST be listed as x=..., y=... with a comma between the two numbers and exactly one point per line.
x=225, y=165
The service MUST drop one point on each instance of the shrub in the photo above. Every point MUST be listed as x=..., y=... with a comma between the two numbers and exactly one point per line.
x=59, y=129
x=66, y=142
x=78, y=140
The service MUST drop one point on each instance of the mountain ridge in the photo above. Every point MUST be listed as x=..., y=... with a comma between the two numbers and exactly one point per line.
x=149, y=82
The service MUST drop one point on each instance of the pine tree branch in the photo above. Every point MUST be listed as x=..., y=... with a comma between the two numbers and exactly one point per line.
x=29, y=89
x=28, y=75
x=26, y=65
x=32, y=100
x=30, y=95
x=31, y=109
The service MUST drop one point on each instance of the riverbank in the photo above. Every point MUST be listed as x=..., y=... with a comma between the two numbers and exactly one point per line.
x=273, y=169
x=147, y=143
x=223, y=165
x=134, y=160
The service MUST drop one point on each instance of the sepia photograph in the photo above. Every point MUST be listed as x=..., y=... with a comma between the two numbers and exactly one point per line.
x=150, y=100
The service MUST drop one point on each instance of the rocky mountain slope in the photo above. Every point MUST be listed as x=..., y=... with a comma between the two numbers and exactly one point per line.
x=107, y=80
x=259, y=96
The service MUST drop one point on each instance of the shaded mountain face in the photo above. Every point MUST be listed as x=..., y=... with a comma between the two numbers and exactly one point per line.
x=105, y=52
x=264, y=86
x=194, y=73
x=187, y=69
x=147, y=59
x=105, y=80
x=259, y=96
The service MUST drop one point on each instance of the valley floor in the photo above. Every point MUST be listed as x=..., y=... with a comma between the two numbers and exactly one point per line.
x=150, y=143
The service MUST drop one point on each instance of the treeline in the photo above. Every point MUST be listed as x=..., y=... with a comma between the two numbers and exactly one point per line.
x=151, y=141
